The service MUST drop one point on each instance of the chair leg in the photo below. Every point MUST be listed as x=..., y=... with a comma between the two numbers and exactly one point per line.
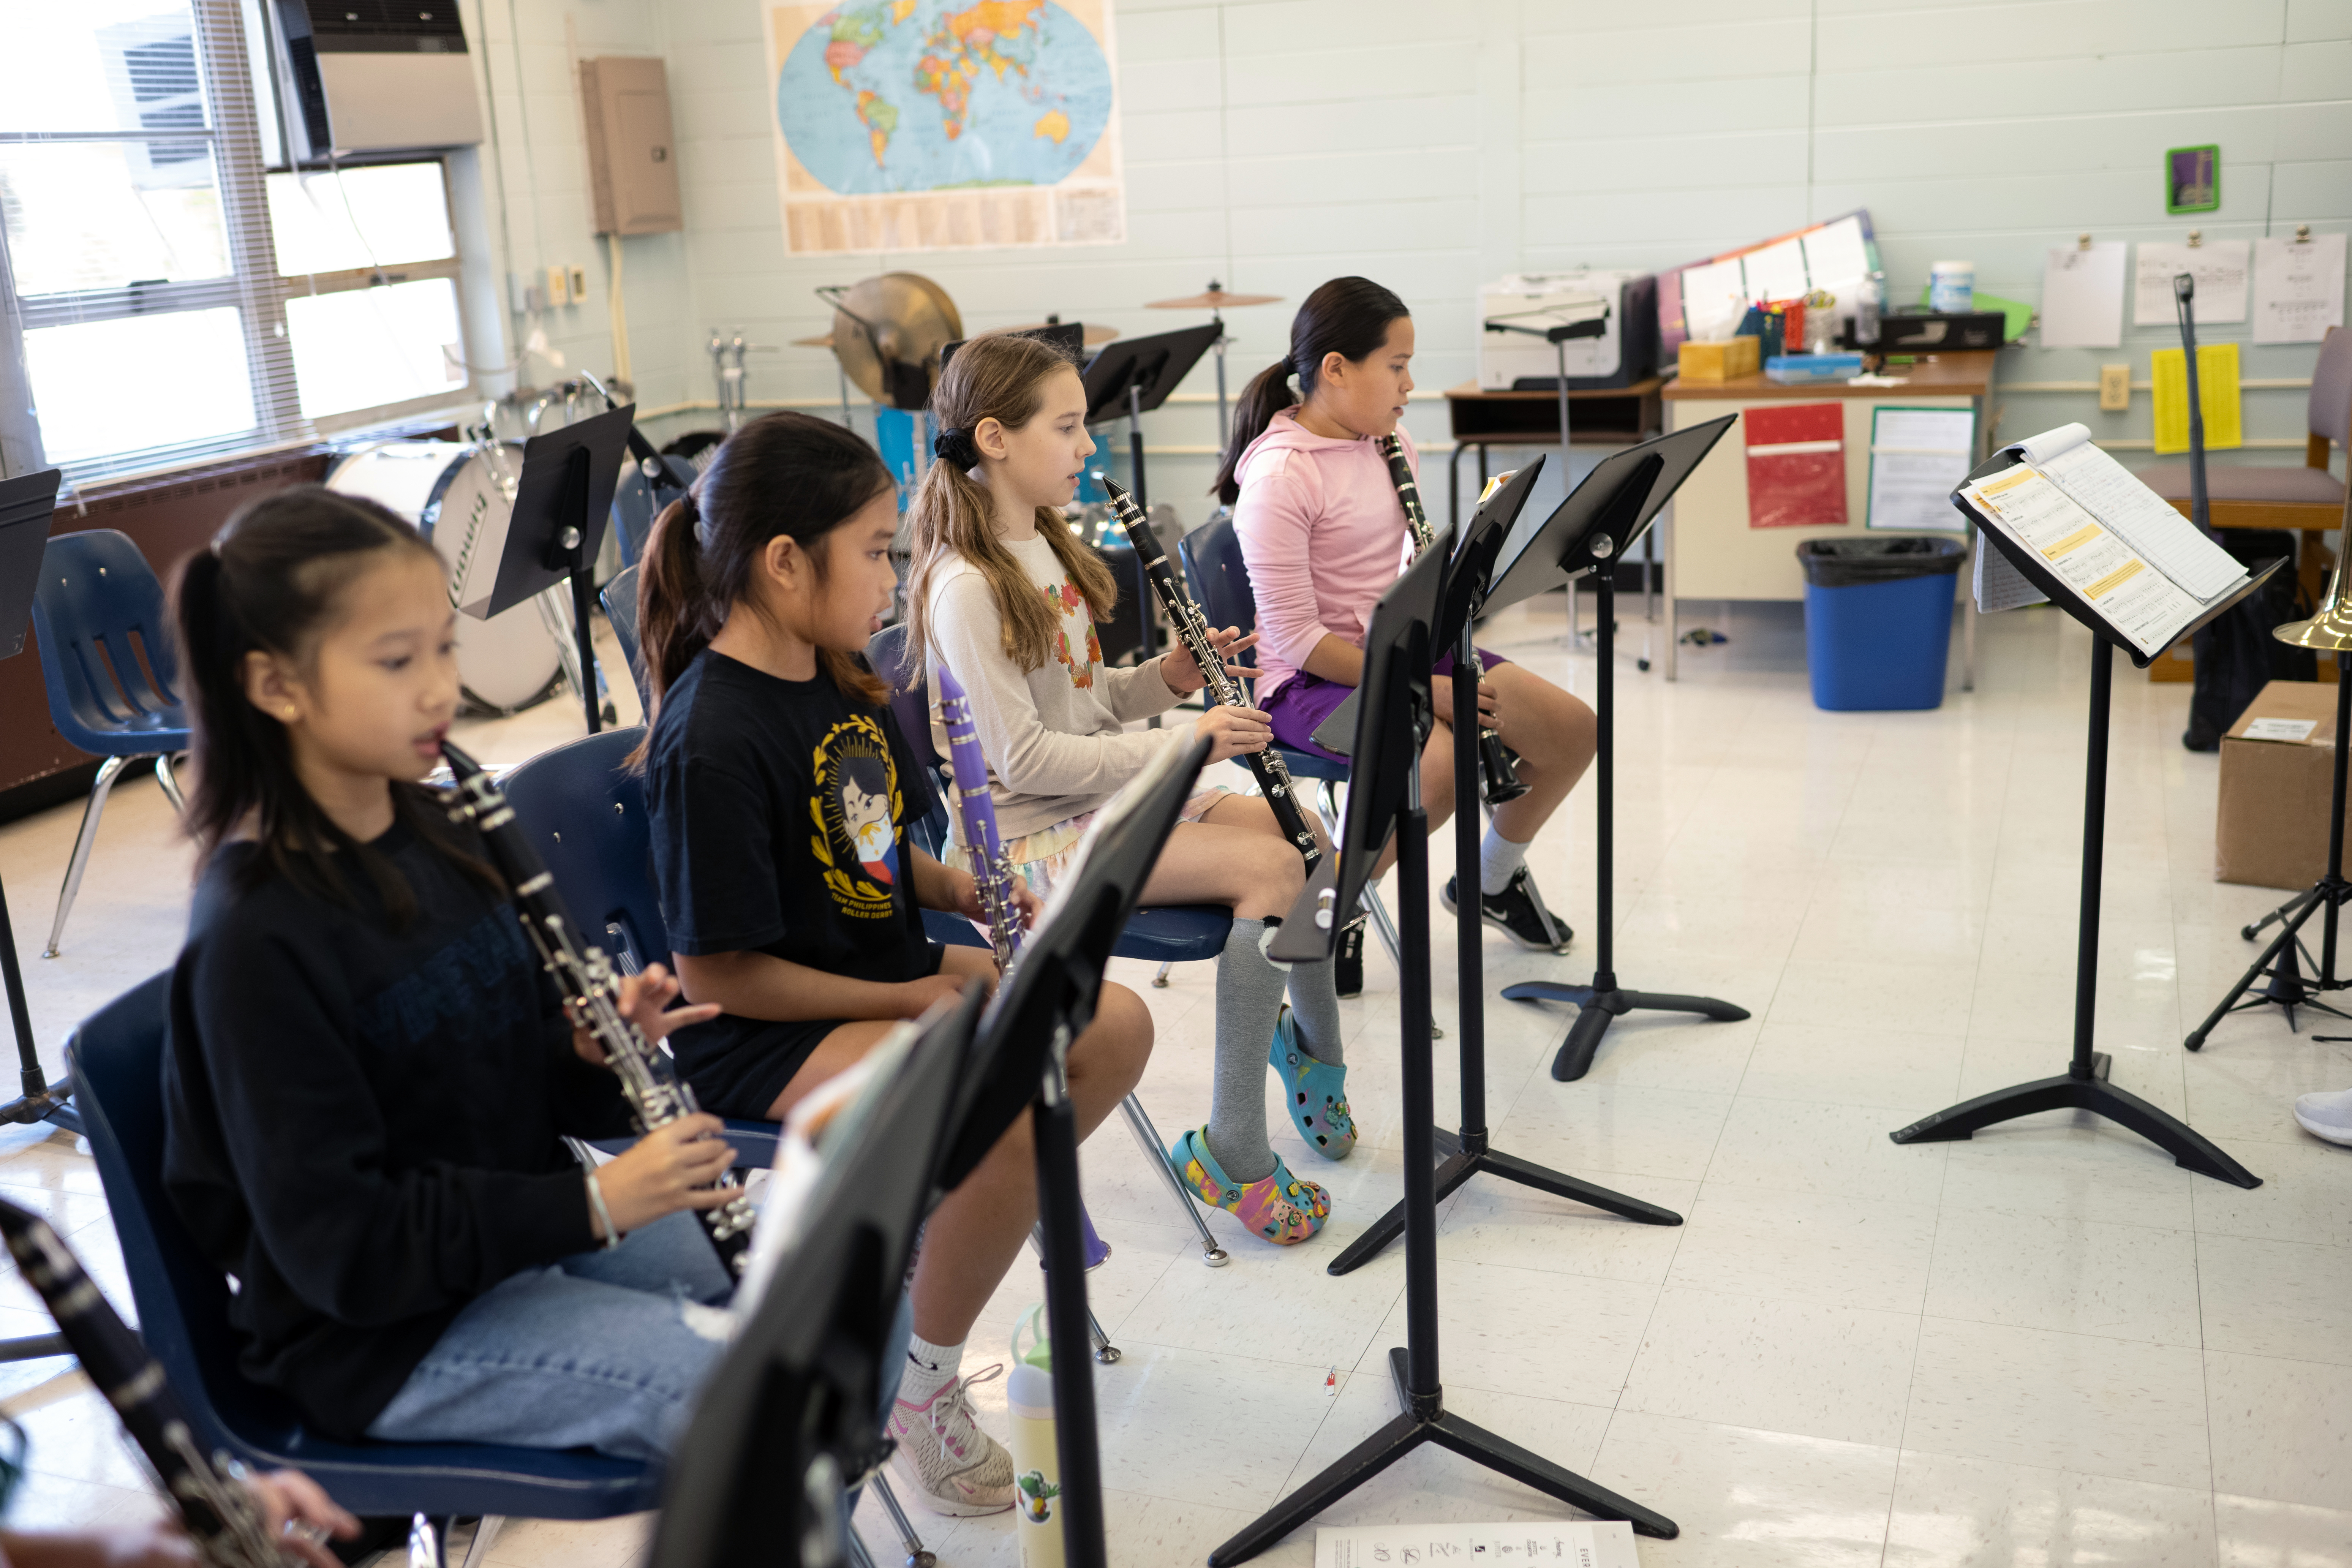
x=164, y=776
x=108, y=772
x=1159, y=981
x=916, y=1556
x=1155, y=1154
x=1104, y=1351
x=478, y=1551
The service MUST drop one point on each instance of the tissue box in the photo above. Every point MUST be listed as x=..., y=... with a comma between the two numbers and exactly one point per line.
x=1788, y=369
x=1724, y=360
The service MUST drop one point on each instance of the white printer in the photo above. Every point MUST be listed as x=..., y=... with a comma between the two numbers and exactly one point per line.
x=1515, y=312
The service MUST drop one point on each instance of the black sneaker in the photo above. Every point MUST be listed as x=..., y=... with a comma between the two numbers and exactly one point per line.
x=1518, y=912
x=1348, y=963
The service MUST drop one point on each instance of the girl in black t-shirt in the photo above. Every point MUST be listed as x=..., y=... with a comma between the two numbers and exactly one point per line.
x=780, y=791
x=368, y=1079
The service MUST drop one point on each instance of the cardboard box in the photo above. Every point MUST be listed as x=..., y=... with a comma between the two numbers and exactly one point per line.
x=1725, y=360
x=2272, y=826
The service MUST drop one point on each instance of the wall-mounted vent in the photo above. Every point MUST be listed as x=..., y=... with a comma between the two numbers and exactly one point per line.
x=374, y=76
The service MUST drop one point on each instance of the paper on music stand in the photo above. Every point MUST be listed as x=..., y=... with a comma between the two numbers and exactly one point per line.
x=2083, y=296
x=2220, y=268
x=2147, y=522
x=1601, y=1544
x=2128, y=593
x=1918, y=457
x=2299, y=289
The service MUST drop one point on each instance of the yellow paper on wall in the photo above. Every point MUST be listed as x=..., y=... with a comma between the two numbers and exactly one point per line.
x=2217, y=389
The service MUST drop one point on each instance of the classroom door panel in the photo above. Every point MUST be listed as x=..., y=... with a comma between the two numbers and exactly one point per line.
x=1716, y=555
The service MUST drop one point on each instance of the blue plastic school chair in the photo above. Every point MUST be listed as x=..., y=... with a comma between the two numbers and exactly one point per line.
x=1219, y=580
x=183, y=1303
x=107, y=662
x=620, y=601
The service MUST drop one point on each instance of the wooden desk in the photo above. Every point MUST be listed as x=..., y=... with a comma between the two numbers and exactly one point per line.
x=1711, y=551
x=1605, y=416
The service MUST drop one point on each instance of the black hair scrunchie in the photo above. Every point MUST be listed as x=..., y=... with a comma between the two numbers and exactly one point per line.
x=954, y=445
x=1288, y=365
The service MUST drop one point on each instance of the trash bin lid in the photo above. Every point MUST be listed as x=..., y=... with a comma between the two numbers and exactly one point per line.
x=1847, y=562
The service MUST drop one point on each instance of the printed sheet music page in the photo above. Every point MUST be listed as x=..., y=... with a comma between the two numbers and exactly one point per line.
x=2129, y=593
x=1579, y=1544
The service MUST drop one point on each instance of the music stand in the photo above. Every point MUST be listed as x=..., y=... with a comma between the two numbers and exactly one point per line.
x=1467, y=1151
x=1591, y=529
x=787, y=1421
x=1384, y=799
x=1070, y=337
x=2083, y=1084
x=1019, y=1065
x=1134, y=375
x=27, y=503
x=557, y=526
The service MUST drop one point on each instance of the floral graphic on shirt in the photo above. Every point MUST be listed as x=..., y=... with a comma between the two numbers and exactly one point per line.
x=857, y=809
x=1078, y=620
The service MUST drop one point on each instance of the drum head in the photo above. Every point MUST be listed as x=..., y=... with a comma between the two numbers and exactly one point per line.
x=506, y=663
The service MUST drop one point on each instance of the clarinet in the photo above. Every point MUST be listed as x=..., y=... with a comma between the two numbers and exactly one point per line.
x=1502, y=774
x=1191, y=629
x=992, y=872
x=222, y=1518
x=591, y=988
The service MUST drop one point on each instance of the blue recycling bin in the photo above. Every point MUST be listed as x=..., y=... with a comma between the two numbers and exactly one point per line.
x=1878, y=620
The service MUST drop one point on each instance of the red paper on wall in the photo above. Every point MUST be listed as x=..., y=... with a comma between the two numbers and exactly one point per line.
x=1796, y=466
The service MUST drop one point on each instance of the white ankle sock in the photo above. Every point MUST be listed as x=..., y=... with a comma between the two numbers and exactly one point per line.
x=1499, y=859
x=930, y=1368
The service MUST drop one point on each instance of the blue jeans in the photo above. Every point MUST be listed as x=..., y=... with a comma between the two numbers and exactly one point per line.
x=605, y=1350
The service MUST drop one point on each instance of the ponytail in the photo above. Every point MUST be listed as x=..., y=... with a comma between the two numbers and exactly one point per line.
x=271, y=581
x=1000, y=377
x=790, y=475
x=1347, y=316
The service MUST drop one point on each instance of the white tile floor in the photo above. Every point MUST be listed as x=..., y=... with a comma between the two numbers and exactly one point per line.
x=2047, y=1346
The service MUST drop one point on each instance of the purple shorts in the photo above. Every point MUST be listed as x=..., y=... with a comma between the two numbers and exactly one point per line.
x=1306, y=700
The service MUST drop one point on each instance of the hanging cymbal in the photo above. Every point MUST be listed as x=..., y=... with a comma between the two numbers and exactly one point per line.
x=1216, y=298
x=1096, y=335
x=824, y=342
x=888, y=333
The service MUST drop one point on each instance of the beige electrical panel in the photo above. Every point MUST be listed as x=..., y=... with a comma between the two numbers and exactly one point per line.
x=632, y=165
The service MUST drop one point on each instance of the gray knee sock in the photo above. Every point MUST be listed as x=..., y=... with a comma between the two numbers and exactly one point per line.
x=1249, y=995
x=1315, y=1008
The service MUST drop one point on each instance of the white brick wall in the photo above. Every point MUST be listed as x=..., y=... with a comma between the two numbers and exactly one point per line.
x=1272, y=143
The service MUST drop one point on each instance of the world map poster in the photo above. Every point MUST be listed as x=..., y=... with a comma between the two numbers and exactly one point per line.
x=907, y=125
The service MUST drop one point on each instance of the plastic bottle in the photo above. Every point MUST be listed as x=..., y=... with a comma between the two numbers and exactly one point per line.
x=1867, y=304
x=1037, y=1466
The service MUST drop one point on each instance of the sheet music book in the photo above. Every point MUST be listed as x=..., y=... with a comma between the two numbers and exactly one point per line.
x=2147, y=571
x=1603, y=1543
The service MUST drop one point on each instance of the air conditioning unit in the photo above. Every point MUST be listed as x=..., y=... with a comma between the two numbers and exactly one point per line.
x=374, y=76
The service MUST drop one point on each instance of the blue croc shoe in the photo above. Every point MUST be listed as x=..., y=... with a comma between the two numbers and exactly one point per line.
x=1318, y=1092
x=1280, y=1208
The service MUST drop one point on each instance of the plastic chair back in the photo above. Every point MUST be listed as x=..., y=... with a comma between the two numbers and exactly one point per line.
x=98, y=611
x=620, y=601
x=585, y=810
x=183, y=1306
x=1220, y=579
x=2331, y=387
x=910, y=705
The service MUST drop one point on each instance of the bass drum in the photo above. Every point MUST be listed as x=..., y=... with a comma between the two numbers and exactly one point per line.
x=506, y=663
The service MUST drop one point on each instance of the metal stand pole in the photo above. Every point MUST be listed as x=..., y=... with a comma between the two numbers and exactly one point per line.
x=2083, y=1084
x=1076, y=1450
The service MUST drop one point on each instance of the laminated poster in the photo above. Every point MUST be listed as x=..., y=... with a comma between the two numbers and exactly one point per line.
x=940, y=124
x=1796, y=464
x=1918, y=457
x=1596, y=1544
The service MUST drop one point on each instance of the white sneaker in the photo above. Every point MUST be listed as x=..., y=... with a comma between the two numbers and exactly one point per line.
x=944, y=1457
x=2326, y=1115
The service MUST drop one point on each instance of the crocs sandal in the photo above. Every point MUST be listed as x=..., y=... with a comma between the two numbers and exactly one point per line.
x=1279, y=1208
x=1318, y=1091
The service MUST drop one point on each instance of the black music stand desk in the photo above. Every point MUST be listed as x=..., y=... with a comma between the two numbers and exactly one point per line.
x=27, y=503
x=1384, y=799
x=1020, y=1065
x=2083, y=1084
x=561, y=506
x=1132, y=376
x=789, y=1420
x=1591, y=529
x=1468, y=1152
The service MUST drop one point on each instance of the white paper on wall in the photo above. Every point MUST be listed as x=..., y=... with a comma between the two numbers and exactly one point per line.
x=2299, y=289
x=2219, y=266
x=2083, y=296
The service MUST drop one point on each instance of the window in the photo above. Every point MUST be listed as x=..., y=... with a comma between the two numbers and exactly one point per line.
x=175, y=290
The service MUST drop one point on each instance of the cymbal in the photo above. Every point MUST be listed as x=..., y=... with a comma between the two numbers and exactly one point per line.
x=1216, y=298
x=824, y=342
x=1095, y=333
x=888, y=333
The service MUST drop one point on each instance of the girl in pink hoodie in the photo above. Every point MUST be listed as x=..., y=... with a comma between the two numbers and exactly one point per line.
x=1323, y=532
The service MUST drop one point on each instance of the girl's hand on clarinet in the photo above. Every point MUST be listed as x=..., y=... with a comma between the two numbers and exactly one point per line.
x=1026, y=904
x=916, y=997
x=670, y=1168
x=1235, y=732
x=1182, y=673
x=298, y=1512
x=642, y=998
